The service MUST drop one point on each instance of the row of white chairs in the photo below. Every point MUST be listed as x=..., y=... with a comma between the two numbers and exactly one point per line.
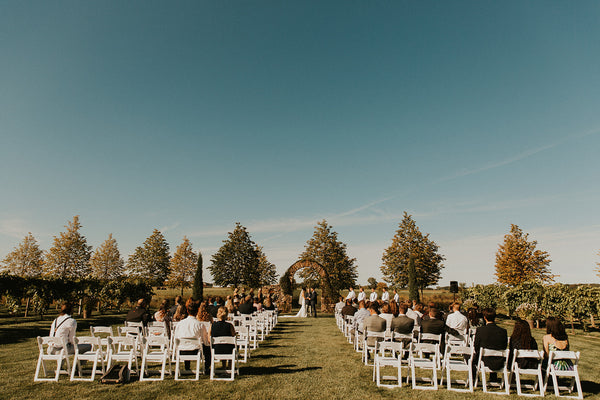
x=408, y=351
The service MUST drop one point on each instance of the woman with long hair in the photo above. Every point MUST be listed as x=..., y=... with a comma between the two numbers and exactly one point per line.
x=556, y=339
x=181, y=313
x=207, y=319
x=521, y=339
x=302, y=302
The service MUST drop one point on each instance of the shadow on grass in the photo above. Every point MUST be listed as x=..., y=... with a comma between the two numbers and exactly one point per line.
x=277, y=369
x=590, y=387
x=266, y=356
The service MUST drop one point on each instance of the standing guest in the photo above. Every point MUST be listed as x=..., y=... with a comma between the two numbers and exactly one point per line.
x=222, y=328
x=521, y=339
x=180, y=314
x=348, y=309
x=387, y=315
x=373, y=296
x=189, y=327
x=457, y=320
x=490, y=336
x=556, y=339
x=206, y=319
x=362, y=296
x=178, y=301
x=65, y=326
x=396, y=296
x=385, y=296
x=403, y=324
x=139, y=313
x=339, y=305
x=351, y=295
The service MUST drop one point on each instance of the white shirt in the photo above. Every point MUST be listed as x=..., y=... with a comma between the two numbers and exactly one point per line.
x=190, y=328
x=458, y=321
x=338, y=306
x=351, y=295
x=397, y=298
x=65, y=327
x=362, y=296
x=410, y=313
x=385, y=296
x=373, y=296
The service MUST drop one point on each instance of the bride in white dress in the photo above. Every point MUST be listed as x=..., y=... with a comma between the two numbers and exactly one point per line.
x=301, y=300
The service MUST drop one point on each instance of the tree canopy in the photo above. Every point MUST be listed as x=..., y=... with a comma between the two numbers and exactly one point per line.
x=69, y=257
x=518, y=261
x=151, y=261
x=410, y=242
x=183, y=265
x=106, y=262
x=325, y=249
x=25, y=260
x=266, y=270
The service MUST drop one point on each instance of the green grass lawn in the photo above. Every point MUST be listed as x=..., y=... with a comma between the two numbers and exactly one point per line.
x=302, y=358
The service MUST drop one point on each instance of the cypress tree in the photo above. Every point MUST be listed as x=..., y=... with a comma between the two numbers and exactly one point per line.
x=198, y=288
x=413, y=288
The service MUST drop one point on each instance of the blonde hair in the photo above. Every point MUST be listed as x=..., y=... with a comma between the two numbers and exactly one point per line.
x=222, y=314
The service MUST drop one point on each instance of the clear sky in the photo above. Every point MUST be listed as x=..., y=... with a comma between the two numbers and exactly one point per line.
x=189, y=116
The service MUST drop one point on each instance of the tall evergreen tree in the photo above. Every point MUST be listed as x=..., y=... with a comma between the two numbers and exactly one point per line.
x=183, y=266
x=198, y=286
x=69, y=257
x=151, y=261
x=106, y=262
x=26, y=259
x=267, y=273
x=409, y=241
x=413, y=289
x=236, y=262
x=325, y=249
x=518, y=261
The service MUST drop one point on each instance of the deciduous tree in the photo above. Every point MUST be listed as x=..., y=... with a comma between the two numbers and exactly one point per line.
x=183, y=266
x=236, y=262
x=372, y=283
x=26, y=259
x=69, y=257
x=151, y=261
x=518, y=261
x=267, y=273
x=325, y=249
x=106, y=262
x=410, y=242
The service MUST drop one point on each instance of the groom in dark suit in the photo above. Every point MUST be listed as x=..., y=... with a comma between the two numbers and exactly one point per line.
x=313, y=301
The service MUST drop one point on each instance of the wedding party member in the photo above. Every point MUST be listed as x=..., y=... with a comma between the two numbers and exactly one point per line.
x=556, y=339
x=457, y=321
x=490, y=336
x=302, y=301
x=189, y=327
x=362, y=296
x=385, y=296
x=65, y=326
x=521, y=339
x=222, y=328
x=396, y=296
x=373, y=296
x=313, y=301
x=351, y=295
x=139, y=313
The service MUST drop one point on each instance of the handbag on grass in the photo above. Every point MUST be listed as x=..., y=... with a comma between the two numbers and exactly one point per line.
x=116, y=374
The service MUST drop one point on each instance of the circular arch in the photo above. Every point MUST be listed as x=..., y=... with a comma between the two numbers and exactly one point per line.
x=327, y=291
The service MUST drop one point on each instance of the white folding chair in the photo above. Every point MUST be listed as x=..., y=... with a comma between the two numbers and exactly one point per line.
x=94, y=355
x=252, y=332
x=102, y=332
x=156, y=331
x=155, y=350
x=122, y=349
x=393, y=359
x=456, y=339
x=572, y=373
x=424, y=356
x=243, y=341
x=517, y=372
x=231, y=357
x=185, y=344
x=482, y=369
x=377, y=337
x=138, y=325
x=460, y=359
x=46, y=344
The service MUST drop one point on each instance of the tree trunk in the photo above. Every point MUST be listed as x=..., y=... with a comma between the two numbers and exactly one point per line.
x=79, y=310
x=27, y=307
x=592, y=321
x=572, y=325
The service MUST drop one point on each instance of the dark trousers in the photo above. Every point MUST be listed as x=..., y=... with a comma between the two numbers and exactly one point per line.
x=313, y=306
x=207, y=358
x=188, y=353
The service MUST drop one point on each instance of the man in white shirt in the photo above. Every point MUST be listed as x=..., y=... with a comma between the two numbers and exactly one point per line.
x=385, y=296
x=373, y=296
x=190, y=327
x=65, y=326
x=396, y=296
x=457, y=320
x=362, y=296
x=339, y=305
x=351, y=294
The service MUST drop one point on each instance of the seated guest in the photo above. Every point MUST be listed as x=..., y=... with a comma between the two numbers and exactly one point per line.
x=386, y=314
x=222, y=328
x=189, y=327
x=204, y=316
x=373, y=323
x=457, y=321
x=65, y=326
x=361, y=314
x=348, y=309
x=403, y=324
x=339, y=305
x=246, y=306
x=556, y=339
x=257, y=305
x=435, y=325
x=180, y=314
x=475, y=319
x=490, y=336
x=416, y=313
x=163, y=315
x=178, y=301
x=394, y=308
x=139, y=313
x=211, y=308
x=521, y=339
x=268, y=304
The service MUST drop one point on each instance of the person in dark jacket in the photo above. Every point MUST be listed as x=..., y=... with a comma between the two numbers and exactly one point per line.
x=246, y=306
x=139, y=313
x=490, y=336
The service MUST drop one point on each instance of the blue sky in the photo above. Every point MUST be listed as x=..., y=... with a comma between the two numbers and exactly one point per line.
x=190, y=116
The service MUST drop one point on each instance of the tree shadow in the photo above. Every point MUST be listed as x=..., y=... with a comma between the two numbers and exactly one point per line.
x=277, y=369
x=265, y=356
x=590, y=387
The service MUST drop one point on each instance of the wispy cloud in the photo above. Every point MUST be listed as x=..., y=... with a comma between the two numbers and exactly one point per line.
x=13, y=227
x=169, y=227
